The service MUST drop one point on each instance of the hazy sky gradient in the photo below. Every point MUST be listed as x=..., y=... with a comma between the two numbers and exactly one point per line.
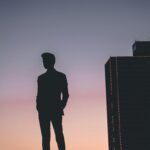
x=82, y=34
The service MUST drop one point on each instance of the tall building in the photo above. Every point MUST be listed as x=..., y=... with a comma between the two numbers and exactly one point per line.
x=128, y=101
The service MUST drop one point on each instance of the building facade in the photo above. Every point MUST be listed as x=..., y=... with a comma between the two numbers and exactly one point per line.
x=128, y=102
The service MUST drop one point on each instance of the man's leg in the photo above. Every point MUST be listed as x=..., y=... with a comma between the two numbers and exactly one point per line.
x=45, y=130
x=57, y=125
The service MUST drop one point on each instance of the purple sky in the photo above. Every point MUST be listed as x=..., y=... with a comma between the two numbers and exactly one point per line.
x=82, y=34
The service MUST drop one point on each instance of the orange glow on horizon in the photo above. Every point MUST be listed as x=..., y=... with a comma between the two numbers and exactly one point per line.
x=82, y=129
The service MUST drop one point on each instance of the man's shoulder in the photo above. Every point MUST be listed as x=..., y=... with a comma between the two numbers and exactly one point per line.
x=60, y=74
x=41, y=76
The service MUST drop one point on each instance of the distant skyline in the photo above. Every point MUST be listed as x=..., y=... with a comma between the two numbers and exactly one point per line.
x=82, y=34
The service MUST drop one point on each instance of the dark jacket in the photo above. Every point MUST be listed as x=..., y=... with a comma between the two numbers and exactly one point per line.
x=52, y=93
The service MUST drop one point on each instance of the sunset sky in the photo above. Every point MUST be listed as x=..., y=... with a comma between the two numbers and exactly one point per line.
x=82, y=34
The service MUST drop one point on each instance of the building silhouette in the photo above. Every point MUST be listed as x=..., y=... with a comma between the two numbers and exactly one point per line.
x=128, y=99
x=141, y=48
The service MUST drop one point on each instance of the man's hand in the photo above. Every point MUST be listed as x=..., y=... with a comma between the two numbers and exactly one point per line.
x=62, y=104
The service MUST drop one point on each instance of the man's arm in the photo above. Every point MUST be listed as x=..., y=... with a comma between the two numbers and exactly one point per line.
x=65, y=93
x=37, y=97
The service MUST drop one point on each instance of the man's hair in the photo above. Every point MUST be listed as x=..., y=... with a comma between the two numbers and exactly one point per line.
x=49, y=57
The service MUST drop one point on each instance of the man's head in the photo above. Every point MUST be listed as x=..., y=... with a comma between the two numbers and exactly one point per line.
x=48, y=60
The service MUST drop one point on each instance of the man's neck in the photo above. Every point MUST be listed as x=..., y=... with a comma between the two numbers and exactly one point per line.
x=50, y=69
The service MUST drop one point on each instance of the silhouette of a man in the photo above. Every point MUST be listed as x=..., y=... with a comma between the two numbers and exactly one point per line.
x=51, y=99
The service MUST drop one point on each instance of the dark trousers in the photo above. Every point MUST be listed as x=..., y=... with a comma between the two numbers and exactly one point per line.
x=56, y=120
